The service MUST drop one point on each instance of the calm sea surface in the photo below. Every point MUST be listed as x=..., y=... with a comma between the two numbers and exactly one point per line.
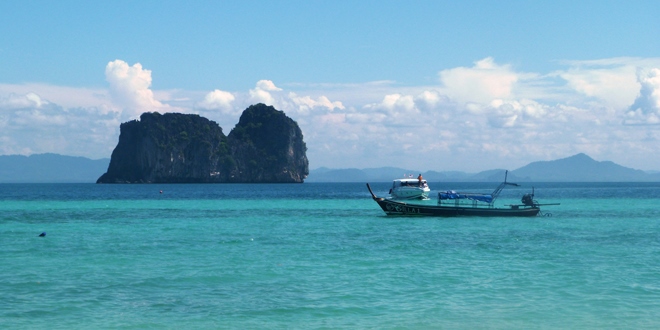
x=321, y=255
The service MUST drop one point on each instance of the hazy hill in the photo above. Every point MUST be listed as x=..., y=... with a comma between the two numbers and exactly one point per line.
x=57, y=168
x=50, y=168
x=579, y=167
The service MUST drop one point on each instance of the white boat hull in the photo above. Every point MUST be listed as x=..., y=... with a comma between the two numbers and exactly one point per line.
x=410, y=193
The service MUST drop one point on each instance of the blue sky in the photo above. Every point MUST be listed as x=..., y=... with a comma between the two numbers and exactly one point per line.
x=428, y=85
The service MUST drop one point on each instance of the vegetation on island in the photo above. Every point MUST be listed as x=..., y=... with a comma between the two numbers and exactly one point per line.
x=265, y=146
x=266, y=140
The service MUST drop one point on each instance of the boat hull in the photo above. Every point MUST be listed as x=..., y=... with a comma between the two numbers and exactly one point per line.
x=411, y=193
x=391, y=207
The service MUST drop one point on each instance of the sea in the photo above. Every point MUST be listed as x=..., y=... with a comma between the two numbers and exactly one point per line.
x=324, y=256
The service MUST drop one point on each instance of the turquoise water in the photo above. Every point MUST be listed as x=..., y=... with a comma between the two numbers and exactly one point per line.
x=323, y=256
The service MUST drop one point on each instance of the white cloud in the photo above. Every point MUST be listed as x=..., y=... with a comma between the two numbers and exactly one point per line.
x=646, y=108
x=30, y=124
x=267, y=85
x=261, y=96
x=480, y=117
x=430, y=99
x=522, y=113
x=615, y=86
x=406, y=105
x=261, y=92
x=267, y=92
x=13, y=101
x=129, y=88
x=305, y=104
x=219, y=100
x=395, y=104
x=64, y=96
x=482, y=83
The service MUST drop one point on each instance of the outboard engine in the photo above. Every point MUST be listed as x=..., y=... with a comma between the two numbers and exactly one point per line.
x=528, y=200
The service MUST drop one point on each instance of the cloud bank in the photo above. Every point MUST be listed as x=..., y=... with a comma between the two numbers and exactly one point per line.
x=487, y=115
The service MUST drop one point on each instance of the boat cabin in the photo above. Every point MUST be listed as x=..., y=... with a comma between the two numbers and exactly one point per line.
x=410, y=189
x=409, y=183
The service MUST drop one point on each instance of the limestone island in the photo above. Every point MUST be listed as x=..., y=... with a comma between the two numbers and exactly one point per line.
x=266, y=146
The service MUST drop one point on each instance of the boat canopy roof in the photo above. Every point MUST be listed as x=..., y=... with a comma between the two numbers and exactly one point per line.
x=451, y=194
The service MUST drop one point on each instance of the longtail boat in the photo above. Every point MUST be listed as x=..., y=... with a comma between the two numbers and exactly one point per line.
x=453, y=204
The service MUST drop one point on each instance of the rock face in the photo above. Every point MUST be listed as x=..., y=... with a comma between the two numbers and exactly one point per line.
x=266, y=146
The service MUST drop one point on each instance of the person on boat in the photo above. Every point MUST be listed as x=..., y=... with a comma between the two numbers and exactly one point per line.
x=419, y=178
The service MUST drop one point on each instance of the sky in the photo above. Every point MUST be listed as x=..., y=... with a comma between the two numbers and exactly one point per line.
x=422, y=85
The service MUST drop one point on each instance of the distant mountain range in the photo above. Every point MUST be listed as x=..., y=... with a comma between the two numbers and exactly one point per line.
x=577, y=168
x=50, y=168
x=53, y=168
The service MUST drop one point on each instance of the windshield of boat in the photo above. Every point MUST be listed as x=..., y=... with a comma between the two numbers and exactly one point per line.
x=408, y=183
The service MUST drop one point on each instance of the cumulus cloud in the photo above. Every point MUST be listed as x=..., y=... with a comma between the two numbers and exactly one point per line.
x=482, y=83
x=508, y=113
x=395, y=104
x=267, y=92
x=614, y=84
x=408, y=104
x=305, y=104
x=428, y=100
x=129, y=88
x=267, y=85
x=218, y=100
x=262, y=92
x=646, y=108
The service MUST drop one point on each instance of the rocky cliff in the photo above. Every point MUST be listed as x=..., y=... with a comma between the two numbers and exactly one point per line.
x=266, y=146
